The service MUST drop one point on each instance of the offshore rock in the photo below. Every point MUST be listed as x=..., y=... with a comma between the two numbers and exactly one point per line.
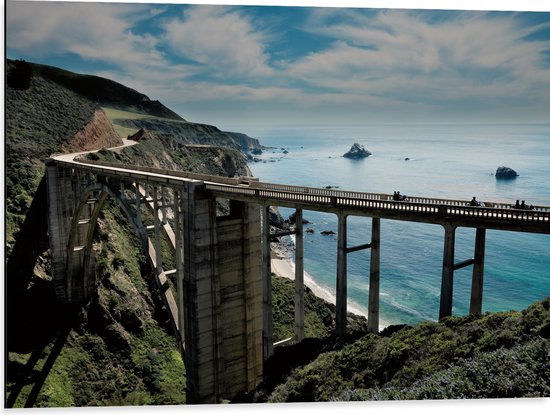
x=505, y=173
x=357, y=151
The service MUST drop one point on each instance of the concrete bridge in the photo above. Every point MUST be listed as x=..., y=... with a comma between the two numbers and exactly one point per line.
x=221, y=305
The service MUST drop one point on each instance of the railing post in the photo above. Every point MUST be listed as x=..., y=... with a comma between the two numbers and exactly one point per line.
x=476, y=299
x=341, y=276
x=446, y=298
x=299, y=279
x=374, y=279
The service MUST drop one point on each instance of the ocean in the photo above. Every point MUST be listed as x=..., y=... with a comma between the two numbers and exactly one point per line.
x=435, y=160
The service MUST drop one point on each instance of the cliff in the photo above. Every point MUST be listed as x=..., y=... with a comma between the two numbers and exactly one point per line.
x=98, y=132
x=184, y=132
x=118, y=349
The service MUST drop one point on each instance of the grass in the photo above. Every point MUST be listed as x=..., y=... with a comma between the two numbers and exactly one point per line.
x=115, y=115
x=498, y=355
x=120, y=350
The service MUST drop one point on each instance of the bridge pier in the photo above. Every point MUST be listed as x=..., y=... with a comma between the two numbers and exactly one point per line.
x=341, y=276
x=476, y=299
x=373, y=317
x=266, y=278
x=299, y=278
x=222, y=302
x=71, y=219
x=449, y=267
x=446, y=297
x=374, y=278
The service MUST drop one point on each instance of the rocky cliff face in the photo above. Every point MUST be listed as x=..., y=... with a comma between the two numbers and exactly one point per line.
x=246, y=143
x=96, y=133
x=184, y=132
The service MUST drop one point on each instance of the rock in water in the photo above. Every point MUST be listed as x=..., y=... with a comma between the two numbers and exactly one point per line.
x=505, y=173
x=357, y=151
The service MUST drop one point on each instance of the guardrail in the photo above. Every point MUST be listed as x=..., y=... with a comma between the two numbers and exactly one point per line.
x=251, y=187
x=341, y=199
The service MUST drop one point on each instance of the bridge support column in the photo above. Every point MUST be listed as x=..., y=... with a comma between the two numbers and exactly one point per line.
x=341, y=276
x=476, y=298
x=374, y=279
x=266, y=277
x=299, y=279
x=446, y=298
x=240, y=320
x=200, y=295
x=71, y=215
x=58, y=228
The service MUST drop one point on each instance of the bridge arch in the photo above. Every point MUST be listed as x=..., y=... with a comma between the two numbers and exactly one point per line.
x=80, y=261
x=223, y=263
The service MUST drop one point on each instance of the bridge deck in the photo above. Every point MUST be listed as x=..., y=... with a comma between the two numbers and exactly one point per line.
x=222, y=264
x=493, y=215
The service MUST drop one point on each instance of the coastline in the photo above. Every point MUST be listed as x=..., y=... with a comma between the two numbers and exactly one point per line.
x=283, y=266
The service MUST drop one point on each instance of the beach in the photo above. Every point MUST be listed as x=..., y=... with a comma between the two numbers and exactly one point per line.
x=283, y=266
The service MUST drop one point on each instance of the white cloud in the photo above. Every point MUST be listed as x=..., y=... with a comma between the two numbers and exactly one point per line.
x=374, y=61
x=100, y=32
x=222, y=39
x=93, y=31
x=474, y=57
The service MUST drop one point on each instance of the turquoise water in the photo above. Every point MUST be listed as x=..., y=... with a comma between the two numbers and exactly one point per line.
x=454, y=161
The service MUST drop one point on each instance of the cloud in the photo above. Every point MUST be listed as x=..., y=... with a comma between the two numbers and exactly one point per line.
x=462, y=56
x=93, y=31
x=104, y=33
x=356, y=60
x=222, y=39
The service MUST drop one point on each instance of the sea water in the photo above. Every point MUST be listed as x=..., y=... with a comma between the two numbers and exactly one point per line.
x=433, y=160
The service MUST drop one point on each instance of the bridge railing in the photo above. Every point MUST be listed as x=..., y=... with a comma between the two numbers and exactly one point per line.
x=385, y=197
x=252, y=187
x=319, y=191
x=173, y=173
x=339, y=199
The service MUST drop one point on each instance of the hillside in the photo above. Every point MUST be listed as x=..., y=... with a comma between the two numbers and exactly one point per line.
x=119, y=348
x=104, y=91
x=498, y=355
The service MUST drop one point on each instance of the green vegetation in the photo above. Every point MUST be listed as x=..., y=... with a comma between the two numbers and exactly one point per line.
x=495, y=355
x=118, y=117
x=116, y=352
x=319, y=316
x=159, y=149
x=118, y=349
x=33, y=132
x=104, y=91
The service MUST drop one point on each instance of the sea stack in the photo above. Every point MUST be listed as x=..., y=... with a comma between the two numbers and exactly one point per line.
x=357, y=151
x=506, y=173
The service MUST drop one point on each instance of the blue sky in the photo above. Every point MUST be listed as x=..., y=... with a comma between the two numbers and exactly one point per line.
x=236, y=65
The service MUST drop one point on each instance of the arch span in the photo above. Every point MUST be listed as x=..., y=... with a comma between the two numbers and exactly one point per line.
x=80, y=262
x=74, y=207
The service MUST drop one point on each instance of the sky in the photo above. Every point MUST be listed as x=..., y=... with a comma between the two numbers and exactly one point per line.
x=239, y=64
